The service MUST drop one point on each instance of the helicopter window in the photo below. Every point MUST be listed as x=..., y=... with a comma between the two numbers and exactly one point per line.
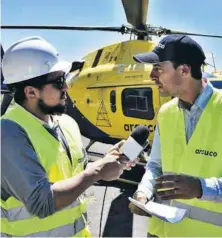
x=138, y=103
x=98, y=55
x=113, y=100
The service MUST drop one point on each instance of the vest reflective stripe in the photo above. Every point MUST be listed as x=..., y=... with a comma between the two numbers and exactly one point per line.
x=80, y=224
x=169, y=173
x=69, y=230
x=20, y=213
x=26, y=226
x=83, y=233
x=196, y=213
x=3, y=235
x=200, y=214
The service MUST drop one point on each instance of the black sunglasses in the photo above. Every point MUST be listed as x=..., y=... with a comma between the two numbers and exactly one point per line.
x=58, y=83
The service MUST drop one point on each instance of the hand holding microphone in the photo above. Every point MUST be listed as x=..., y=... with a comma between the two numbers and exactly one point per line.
x=134, y=146
x=136, y=143
x=123, y=155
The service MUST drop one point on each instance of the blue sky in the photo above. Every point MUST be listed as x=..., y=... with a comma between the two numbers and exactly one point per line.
x=203, y=16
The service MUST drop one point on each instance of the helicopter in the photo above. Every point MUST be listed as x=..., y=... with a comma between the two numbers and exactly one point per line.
x=109, y=93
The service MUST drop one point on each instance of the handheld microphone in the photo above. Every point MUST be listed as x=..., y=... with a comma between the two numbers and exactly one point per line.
x=136, y=143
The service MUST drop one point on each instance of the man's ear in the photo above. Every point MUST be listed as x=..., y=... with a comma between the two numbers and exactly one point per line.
x=185, y=69
x=31, y=92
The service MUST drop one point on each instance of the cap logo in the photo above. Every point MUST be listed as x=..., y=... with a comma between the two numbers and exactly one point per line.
x=161, y=46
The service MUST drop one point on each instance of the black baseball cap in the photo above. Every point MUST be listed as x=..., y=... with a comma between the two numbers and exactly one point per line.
x=176, y=48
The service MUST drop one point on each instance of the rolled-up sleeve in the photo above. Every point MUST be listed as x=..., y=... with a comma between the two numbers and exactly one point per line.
x=212, y=189
x=22, y=175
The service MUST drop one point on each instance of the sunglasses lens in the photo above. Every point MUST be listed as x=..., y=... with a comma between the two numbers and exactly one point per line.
x=59, y=83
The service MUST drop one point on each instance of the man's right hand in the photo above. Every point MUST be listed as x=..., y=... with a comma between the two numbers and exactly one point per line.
x=141, y=197
x=111, y=168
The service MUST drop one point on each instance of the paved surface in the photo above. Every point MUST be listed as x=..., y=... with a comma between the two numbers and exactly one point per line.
x=109, y=215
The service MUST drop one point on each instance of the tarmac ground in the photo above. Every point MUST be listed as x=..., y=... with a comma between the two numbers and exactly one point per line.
x=108, y=214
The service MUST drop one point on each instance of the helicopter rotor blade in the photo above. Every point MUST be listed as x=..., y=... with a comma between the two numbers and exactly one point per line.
x=136, y=12
x=76, y=28
x=164, y=31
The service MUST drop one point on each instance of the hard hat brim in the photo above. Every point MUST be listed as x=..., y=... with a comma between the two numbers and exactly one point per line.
x=62, y=65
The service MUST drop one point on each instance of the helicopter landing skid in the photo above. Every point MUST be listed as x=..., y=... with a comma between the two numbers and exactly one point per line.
x=91, y=142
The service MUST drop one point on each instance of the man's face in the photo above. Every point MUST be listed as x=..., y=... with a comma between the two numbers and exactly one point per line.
x=167, y=78
x=52, y=98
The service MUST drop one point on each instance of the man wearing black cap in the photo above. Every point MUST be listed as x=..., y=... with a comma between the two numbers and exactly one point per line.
x=186, y=158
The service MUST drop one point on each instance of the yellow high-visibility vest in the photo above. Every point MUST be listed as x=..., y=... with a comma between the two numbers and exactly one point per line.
x=200, y=157
x=70, y=221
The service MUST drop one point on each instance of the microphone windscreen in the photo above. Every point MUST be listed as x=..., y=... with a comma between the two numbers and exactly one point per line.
x=140, y=134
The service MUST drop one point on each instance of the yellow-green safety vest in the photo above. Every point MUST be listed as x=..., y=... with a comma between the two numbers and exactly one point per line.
x=70, y=221
x=201, y=157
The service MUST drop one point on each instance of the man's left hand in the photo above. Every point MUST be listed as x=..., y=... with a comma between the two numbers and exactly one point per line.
x=123, y=159
x=178, y=187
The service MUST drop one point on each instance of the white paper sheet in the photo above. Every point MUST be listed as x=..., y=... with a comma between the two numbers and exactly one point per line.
x=164, y=212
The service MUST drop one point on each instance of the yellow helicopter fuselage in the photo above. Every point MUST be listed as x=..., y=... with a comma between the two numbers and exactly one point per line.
x=113, y=94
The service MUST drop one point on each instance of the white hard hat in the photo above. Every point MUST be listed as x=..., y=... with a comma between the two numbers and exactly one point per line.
x=29, y=58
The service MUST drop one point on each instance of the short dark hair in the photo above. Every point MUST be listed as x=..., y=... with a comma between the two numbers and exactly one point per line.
x=18, y=89
x=195, y=69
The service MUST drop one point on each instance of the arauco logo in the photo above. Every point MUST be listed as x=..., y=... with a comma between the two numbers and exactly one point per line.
x=206, y=152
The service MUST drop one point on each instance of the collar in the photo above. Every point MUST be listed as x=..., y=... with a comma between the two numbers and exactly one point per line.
x=201, y=100
x=50, y=124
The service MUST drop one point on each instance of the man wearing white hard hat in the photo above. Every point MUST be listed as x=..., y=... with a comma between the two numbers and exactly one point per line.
x=42, y=159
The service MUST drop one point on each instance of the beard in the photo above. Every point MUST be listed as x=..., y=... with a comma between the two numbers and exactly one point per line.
x=51, y=110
